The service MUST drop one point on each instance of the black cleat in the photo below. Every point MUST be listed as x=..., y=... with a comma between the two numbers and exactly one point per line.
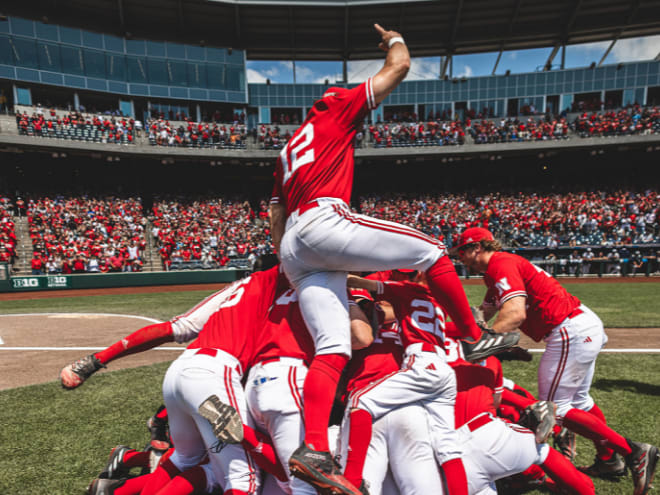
x=104, y=486
x=564, y=442
x=489, y=344
x=115, y=468
x=158, y=429
x=642, y=462
x=320, y=470
x=541, y=418
x=610, y=469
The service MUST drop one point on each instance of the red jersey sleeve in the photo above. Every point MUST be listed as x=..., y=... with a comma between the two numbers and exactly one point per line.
x=504, y=281
x=495, y=365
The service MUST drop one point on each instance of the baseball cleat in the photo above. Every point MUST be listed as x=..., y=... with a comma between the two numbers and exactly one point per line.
x=225, y=420
x=75, y=374
x=103, y=486
x=564, y=442
x=642, y=462
x=540, y=417
x=320, y=470
x=363, y=488
x=612, y=468
x=158, y=428
x=489, y=344
x=115, y=468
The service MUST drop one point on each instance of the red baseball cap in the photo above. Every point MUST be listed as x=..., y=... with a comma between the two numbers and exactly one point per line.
x=472, y=235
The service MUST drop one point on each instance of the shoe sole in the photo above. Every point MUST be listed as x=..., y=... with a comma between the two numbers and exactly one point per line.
x=225, y=420
x=325, y=484
x=546, y=426
x=654, y=456
x=498, y=344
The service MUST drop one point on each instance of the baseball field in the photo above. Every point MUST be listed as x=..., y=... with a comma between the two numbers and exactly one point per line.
x=54, y=441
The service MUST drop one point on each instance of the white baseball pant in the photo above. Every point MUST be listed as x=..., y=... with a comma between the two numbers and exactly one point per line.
x=400, y=448
x=494, y=449
x=567, y=366
x=274, y=398
x=425, y=378
x=191, y=379
x=320, y=246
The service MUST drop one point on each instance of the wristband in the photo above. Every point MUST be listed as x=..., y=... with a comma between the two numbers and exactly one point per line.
x=396, y=39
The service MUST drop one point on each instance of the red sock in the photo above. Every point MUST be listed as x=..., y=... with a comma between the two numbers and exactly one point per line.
x=191, y=481
x=160, y=477
x=359, y=437
x=603, y=452
x=448, y=291
x=141, y=340
x=591, y=427
x=136, y=459
x=319, y=394
x=132, y=486
x=518, y=401
x=260, y=448
x=455, y=477
x=566, y=476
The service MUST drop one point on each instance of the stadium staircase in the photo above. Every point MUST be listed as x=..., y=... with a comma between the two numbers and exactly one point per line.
x=23, y=247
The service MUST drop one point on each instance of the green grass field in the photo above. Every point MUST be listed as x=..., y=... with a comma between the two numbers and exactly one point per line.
x=55, y=442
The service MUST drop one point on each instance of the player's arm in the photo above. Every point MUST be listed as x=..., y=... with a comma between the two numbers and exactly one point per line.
x=488, y=310
x=355, y=282
x=277, y=216
x=511, y=314
x=397, y=64
x=361, y=333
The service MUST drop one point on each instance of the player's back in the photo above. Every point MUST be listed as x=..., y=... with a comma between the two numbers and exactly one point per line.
x=284, y=333
x=232, y=328
x=317, y=162
x=475, y=385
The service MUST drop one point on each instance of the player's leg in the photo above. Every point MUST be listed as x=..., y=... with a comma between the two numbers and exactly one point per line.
x=366, y=467
x=412, y=460
x=324, y=307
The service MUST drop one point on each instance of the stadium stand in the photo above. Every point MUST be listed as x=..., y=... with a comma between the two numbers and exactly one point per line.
x=84, y=234
x=623, y=122
x=273, y=138
x=515, y=130
x=397, y=135
x=209, y=233
x=76, y=126
x=8, y=240
x=197, y=134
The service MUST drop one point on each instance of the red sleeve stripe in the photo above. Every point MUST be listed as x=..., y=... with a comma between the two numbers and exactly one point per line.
x=371, y=100
x=513, y=294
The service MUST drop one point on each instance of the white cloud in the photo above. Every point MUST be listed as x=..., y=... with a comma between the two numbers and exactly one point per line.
x=254, y=76
x=424, y=68
x=361, y=70
x=420, y=68
x=467, y=71
x=636, y=49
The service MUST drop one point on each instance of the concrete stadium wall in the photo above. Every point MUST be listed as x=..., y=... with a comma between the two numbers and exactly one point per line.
x=108, y=280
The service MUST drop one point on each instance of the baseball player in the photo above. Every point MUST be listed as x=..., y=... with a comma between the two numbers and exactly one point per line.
x=526, y=297
x=207, y=374
x=319, y=239
x=423, y=377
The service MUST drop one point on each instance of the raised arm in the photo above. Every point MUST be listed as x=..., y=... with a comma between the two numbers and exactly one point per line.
x=397, y=64
x=277, y=224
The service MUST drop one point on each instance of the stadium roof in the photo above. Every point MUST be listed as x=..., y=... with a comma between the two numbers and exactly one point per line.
x=342, y=30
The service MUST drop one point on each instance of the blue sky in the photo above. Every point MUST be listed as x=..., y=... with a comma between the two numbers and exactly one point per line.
x=480, y=64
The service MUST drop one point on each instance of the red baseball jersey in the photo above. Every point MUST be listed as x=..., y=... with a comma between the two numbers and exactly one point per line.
x=475, y=385
x=233, y=327
x=548, y=303
x=382, y=357
x=421, y=319
x=284, y=333
x=317, y=162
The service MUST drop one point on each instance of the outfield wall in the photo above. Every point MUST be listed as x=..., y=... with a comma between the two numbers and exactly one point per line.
x=108, y=280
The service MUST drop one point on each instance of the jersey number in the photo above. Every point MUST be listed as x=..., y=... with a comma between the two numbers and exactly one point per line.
x=297, y=152
x=427, y=317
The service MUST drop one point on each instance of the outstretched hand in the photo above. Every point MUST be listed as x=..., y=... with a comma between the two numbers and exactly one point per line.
x=386, y=37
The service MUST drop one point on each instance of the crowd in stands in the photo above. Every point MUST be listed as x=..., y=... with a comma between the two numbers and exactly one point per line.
x=196, y=134
x=76, y=126
x=273, y=138
x=624, y=122
x=404, y=134
x=209, y=233
x=515, y=130
x=8, y=239
x=529, y=220
x=86, y=235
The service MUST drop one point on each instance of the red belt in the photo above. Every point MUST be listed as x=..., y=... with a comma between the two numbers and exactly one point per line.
x=427, y=347
x=576, y=312
x=479, y=421
x=307, y=207
x=207, y=351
